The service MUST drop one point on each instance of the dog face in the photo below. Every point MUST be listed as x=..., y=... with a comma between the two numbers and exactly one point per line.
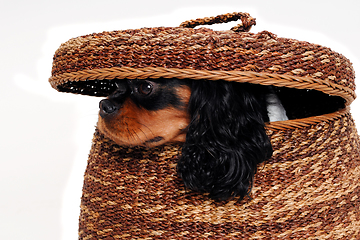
x=146, y=112
x=221, y=125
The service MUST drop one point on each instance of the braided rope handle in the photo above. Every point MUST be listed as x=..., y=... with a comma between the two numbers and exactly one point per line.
x=245, y=26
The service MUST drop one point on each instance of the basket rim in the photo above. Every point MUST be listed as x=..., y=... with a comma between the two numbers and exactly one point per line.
x=306, y=122
x=278, y=80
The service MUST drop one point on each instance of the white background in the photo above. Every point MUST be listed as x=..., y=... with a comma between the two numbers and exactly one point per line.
x=46, y=135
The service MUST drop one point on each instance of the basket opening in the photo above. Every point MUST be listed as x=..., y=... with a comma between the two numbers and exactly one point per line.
x=303, y=103
x=96, y=88
x=298, y=103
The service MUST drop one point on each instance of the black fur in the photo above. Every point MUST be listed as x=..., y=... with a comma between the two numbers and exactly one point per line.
x=303, y=103
x=226, y=138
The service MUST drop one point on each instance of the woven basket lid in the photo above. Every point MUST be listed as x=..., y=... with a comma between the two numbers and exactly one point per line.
x=85, y=64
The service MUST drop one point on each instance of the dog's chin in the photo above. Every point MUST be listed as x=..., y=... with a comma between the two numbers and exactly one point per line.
x=123, y=138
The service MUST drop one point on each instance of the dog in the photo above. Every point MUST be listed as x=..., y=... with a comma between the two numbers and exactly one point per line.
x=220, y=124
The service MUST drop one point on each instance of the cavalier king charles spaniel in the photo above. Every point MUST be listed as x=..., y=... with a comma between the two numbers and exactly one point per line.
x=221, y=125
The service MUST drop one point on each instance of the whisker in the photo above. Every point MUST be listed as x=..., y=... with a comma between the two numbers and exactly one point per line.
x=136, y=136
x=144, y=133
x=148, y=129
x=133, y=119
x=133, y=133
x=130, y=135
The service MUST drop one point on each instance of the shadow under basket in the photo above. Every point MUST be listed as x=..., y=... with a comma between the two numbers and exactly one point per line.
x=308, y=189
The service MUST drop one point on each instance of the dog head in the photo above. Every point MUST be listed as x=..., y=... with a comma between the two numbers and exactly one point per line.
x=146, y=112
x=222, y=126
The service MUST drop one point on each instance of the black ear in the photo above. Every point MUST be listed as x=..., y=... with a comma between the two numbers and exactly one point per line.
x=226, y=138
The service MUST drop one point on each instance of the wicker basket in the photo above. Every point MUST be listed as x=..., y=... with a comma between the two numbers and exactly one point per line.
x=310, y=187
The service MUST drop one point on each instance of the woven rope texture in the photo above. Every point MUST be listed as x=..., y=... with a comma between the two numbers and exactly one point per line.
x=309, y=189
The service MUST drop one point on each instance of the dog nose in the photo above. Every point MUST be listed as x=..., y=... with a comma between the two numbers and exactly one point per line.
x=107, y=107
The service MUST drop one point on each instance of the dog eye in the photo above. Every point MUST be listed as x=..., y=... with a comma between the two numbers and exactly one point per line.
x=145, y=88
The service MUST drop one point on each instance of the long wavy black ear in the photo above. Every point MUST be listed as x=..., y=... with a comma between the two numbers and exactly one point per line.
x=226, y=138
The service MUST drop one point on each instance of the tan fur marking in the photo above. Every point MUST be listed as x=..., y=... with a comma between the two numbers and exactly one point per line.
x=134, y=126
